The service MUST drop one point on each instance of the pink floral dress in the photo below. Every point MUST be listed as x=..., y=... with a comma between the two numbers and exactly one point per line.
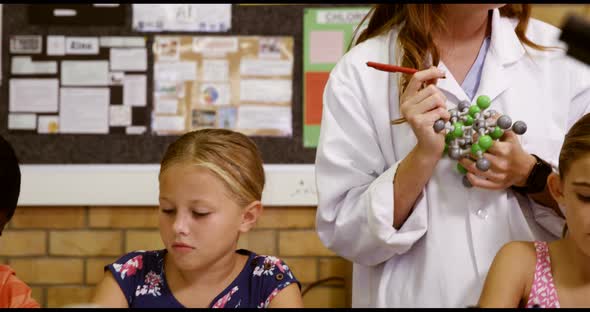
x=543, y=293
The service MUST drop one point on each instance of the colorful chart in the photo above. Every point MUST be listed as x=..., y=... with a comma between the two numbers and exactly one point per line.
x=326, y=36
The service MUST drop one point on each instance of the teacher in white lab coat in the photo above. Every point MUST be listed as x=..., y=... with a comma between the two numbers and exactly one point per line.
x=389, y=201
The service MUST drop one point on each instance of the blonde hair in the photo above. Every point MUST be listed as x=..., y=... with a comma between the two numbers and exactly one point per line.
x=230, y=155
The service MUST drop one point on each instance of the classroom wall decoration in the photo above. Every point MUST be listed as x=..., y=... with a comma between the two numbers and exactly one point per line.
x=242, y=83
x=78, y=91
x=210, y=17
x=77, y=84
x=327, y=33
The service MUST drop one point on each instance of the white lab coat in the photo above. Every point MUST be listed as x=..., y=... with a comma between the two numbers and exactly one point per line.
x=441, y=254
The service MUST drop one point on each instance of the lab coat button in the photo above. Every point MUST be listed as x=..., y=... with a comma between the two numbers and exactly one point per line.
x=482, y=213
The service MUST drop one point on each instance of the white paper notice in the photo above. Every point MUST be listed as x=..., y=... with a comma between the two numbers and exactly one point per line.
x=82, y=45
x=168, y=123
x=134, y=90
x=56, y=45
x=175, y=71
x=265, y=90
x=182, y=17
x=119, y=115
x=85, y=73
x=33, y=95
x=22, y=121
x=122, y=42
x=26, y=44
x=135, y=130
x=166, y=106
x=257, y=67
x=84, y=110
x=134, y=59
x=170, y=89
x=252, y=117
x=215, y=46
x=23, y=65
x=215, y=70
x=48, y=124
x=167, y=48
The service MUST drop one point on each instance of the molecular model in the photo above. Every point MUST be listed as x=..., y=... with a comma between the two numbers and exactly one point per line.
x=472, y=130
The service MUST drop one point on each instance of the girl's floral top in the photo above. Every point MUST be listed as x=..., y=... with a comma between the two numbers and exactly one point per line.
x=140, y=274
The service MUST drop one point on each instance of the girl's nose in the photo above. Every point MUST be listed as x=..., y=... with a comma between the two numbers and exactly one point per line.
x=180, y=225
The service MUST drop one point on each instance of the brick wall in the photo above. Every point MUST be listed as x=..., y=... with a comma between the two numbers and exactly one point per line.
x=60, y=252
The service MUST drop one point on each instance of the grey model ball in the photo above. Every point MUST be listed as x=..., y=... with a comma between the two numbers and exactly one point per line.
x=519, y=127
x=504, y=122
x=455, y=153
x=482, y=164
x=439, y=125
x=463, y=106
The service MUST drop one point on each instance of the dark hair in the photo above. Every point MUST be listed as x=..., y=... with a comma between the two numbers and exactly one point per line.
x=575, y=145
x=9, y=179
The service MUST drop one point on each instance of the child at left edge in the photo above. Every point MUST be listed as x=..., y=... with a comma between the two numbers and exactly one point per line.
x=14, y=293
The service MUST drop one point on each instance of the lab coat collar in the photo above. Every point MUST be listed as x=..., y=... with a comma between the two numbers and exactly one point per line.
x=505, y=44
x=505, y=49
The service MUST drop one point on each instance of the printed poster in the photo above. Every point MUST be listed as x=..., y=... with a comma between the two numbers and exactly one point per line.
x=211, y=17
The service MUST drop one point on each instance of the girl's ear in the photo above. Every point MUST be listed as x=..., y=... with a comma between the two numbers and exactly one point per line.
x=556, y=188
x=250, y=216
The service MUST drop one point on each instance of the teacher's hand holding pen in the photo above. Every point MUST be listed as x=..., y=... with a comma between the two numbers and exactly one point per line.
x=421, y=107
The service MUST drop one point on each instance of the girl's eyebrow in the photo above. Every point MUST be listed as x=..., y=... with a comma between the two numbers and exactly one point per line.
x=200, y=201
x=582, y=183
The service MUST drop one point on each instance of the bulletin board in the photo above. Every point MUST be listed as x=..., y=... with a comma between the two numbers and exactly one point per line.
x=77, y=84
x=241, y=83
x=145, y=147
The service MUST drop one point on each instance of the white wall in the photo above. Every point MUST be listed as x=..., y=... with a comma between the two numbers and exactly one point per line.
x=131, y=185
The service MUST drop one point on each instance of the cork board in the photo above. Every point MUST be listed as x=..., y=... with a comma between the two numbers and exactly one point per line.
x=224, y=83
